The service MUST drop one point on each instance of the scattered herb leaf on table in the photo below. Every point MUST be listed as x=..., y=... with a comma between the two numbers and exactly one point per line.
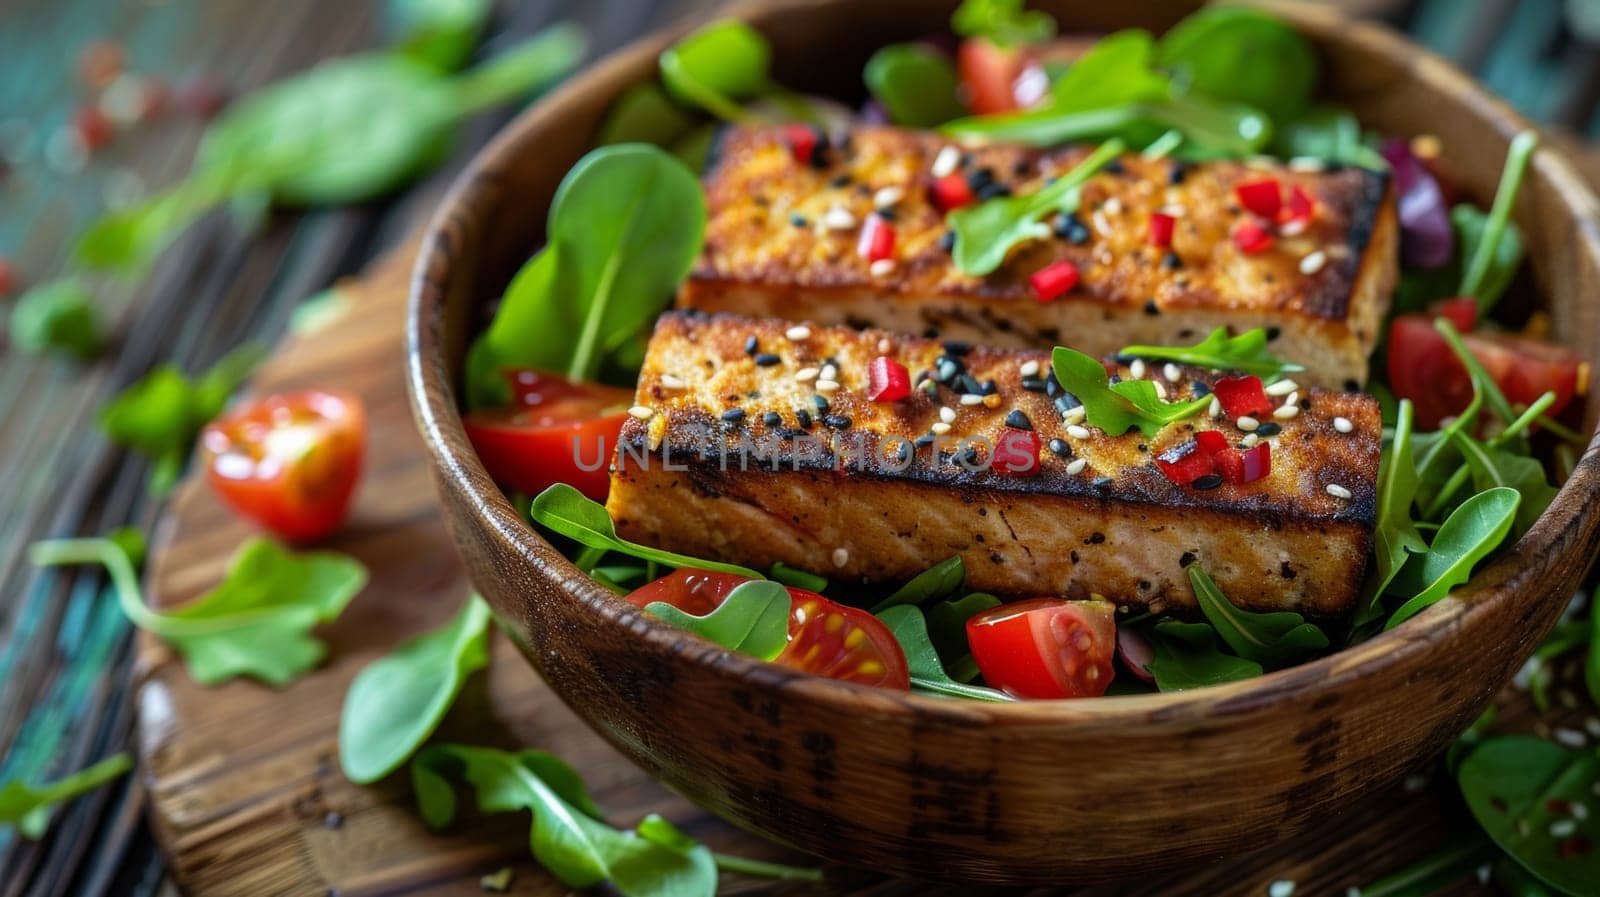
x=56, y=315
x=29, y=808
x=440, y=34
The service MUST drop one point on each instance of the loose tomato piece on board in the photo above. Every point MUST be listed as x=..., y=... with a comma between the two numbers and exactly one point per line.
x=557, y=431
x=288, y=462
x=825, y=638
x=1424, y=369
x=1046, y=647
x=989, y=75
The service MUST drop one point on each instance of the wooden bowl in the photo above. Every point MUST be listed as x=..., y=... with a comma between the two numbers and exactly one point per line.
x=1030, y=792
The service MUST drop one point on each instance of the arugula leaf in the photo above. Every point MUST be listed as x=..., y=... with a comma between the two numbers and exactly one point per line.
x=1471, y=532
x=30, y=808
x=800, y=579
x=1117, y=407
x=1433, y=873
x=568, y=838
x=947, y=628
x=1485, y=254
x=1271, y=639
x=1186, y=656
x=910, y=629
x=624, y=228
x=753, y=619
x=569, y=512
x=1492, y=466
x=129, y=239
x=1330, y=134
x=255, y=623
x=1246, y=352
x=645, y=114
x=942, y=579
x=57, y=315
x=987, y=232
x=1591, y=664
x=916, y=84
x=1518, y=787
x=440, y=34
x=718, y=65
x=1243, y=56
x=132, y=542
x=1395, y=537
x=398, y=700
x=1003, y=22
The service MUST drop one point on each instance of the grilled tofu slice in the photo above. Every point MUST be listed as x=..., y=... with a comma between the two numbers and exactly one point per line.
x=782, y=241
x=755, y=441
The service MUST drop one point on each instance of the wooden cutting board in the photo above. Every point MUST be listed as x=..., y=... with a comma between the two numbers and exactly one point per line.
x=245, y=791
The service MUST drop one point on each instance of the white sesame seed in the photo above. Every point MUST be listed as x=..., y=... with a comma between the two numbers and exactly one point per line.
x=799, y=331
x=1571, y=738
x=1113, y=206
x=1286, y=412
x=830, y=371
x=838, y=218
x=972, y=398
x=1076, y=466
x=1136, y=369
x=886, y=197
x=1343, y=425
x=1283, y=887
x=1281, y=388
x=1595, y=789
x=642, y=412
x=1484, y=873
x=881, y=268
x=1173, y=210
x=1415, y=782
x=1293, y=398
x=806, y=375
x=1592, y=726
x=945, y=163
x=948, y=415
x=1216, y=409
x=1294, y=227
x=1261, y=162
x=1338, y=491
x=1172, y=372
x=1078, y=431
x=1563, y=828
x=672, y=381
x=1161, y=391
x=1075, y=415
x=1247, y=423
x=1250, y=440
x=940, y=428
x=1352, y=892
x=1306, y=164
x=840, y=557
x=1101, y=223
x=1312, y=262
x=1029, y=369
x=827, y=385
x=885, y=346
x=1579, y=811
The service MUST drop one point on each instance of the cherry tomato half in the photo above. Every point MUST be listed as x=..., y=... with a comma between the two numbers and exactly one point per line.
x=556, y=431
x=989, y=75
x=288, y=462
x=1046, y=647
x=825, y=638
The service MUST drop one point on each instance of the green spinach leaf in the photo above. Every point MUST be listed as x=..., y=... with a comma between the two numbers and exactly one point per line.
x=1186, y=657
x=1243, y=56
x=753, y=619
x=398, y=700
x=717, y=66
x=1330, y=134
x=942, y=579
x=1471, y=532
x=645, y=114
x=947, y=628
x=440, y=34
x=1118, y=407
x=910, y=629
x=57, y=315
x=1117, y=71
x=29, y=808
x=1271, y=639
x=1246, y=352
x=256, y=623
x=1522, y=790
x=1004, y=22
x=568, y=512
x=916, y=84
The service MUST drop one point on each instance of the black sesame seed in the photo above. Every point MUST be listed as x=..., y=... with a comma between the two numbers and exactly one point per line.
x=1143, y=447
x=821, y=403
x=1114, y=167
x=1060, y=447
x=947, y=241
x=1270, y=428
x=1052, y=386
x=803, y=416
x=971, y=456
x=842, y=180
x=1305, y=404
x=968, y=384
x=1034, y=384
x=767, y=359
x=799, y=220
x=1273, y=333
x=1171, y=261
x=772, y=418
x=980, y=178
x=1151, y=308
x=1286, y=571
x=1209, y=481
x=1186, y=559
x=1101, y=483
x=889, y=215
x=1351, y=386
x=1114, y=379
x=1199, y=389
x=1071, y=229
x=751, y=345
x=1066, y=402
x=1016, y=420
x=946, y=371
x=1021, y=168
x=836, y=422
x=992, y=191
x=989, y=388
x=1178, y=171
x=956, y=348
x=733, y=415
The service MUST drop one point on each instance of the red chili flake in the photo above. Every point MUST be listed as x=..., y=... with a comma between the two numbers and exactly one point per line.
x=1052, y=281
x=1161, y=225
x=1300, y=206
x=1016, y=453
x=1557, y=806
x=1241, y=396
x=1212, y=441
x=887, y=380
x=201, y=97
x=1183, y=464
x=10, y=279
x=1251, y=237
x=1574, y=847
x=100, y=63
x=802, y=142
x=93, y=129
x=877, y=239
x=1263, y=196
x=951, y=192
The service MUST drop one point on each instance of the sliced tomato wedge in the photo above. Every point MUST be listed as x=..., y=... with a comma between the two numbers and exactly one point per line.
x=288, y=462
x=1046, y=647
x=556, y=431
x=1422, y=368
x=989, y=75
x=825, y=638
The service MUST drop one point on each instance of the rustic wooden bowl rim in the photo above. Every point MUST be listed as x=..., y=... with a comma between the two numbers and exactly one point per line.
x=1515, y=575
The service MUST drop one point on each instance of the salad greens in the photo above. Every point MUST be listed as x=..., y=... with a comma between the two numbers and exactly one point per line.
x=1243, y=56
x=1003, y=22
x=1467, y=536
x=1271, y=639
x=255, y=623
x=567, y=511
x=398, y=700
x=1118, y=407
x=1187, y=656
x=1523, y=791
x=1485, y=259
x=910, y=629
x=753, y=619
x=717, y=67
x=939, y=581
x=29, y=808
x=947, y=629
x=916, y=84
x=987, y=232
x=1246, y=353
x=1330, y=134
x=625, y=227
x=800, y=579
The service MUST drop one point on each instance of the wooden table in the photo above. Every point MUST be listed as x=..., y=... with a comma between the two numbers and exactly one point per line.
x=64, y=651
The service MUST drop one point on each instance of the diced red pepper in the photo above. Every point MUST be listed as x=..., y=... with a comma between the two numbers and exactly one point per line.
x=1257, y=462
x=802, y=141
x=877, y=239
x=887, y=380
x=1052, y=281
x=1183, y=464
x=1263, y=196
x=1016, y=453
x=1300, y=206
x=94, y=130
x=951, y=192
x=1229, y=464
x=1251, y=237
x=1161, y=225
x=1212, y=441
x=1242, y=396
